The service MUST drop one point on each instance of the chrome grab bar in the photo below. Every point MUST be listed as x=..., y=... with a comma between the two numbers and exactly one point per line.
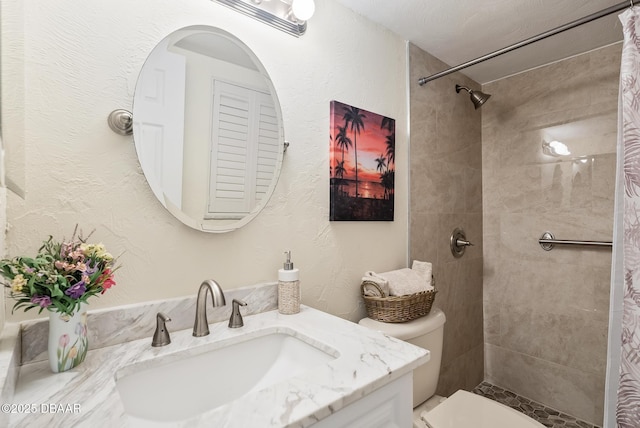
x=547, y=241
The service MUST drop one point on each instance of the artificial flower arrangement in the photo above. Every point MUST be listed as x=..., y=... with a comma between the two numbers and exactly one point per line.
x=61, y=277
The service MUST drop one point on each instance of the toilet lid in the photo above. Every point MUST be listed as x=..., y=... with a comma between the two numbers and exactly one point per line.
x=467, y=410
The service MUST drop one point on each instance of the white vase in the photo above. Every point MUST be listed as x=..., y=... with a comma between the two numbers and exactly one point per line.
x=68, y=342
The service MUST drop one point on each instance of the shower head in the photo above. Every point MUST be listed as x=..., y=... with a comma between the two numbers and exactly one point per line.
x=477, y=98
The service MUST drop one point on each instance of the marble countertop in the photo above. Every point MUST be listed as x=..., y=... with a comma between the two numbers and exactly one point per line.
x=87, y=394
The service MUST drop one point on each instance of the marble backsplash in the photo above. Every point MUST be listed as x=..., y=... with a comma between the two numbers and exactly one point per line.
x=126, y=323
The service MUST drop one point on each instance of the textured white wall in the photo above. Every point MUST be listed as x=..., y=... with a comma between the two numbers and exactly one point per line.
x=81, y=60
x=3, y=224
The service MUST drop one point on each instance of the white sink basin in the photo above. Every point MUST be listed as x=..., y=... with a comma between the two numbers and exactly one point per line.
x=180, y=386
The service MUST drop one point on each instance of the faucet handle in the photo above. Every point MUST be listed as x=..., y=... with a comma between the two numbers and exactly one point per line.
x=236, y=317
x=161, y=336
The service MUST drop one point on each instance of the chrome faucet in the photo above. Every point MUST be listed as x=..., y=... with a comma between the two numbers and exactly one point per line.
x=201, y=325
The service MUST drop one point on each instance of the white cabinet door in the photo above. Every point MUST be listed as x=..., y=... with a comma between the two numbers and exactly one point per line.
x=387, y=407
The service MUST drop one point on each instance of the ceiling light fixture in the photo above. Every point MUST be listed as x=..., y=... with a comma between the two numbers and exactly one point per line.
x=290, y=16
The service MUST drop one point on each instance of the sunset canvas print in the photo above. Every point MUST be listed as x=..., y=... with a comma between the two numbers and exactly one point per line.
x=362, y=163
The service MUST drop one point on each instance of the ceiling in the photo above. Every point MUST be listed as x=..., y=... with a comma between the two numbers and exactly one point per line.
x=456, y=31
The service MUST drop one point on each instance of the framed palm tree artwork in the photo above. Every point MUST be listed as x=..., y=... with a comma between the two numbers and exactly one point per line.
x=362, y=164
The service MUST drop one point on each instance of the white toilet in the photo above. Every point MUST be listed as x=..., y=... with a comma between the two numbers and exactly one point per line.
x=462, y=409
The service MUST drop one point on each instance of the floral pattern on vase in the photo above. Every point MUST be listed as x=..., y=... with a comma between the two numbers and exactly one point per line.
x=68, y=343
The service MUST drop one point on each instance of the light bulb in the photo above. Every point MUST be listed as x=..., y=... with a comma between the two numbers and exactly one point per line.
x=555, y=148
x=303, y=9
x=559, y=148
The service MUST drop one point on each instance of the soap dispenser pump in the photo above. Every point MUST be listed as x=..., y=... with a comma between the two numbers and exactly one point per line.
x=288, y=287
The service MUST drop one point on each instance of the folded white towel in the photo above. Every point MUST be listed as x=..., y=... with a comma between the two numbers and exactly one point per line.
x=369, y=279
x=424, y=269
x=371, y=289
x=400, y=282
x=406, y=281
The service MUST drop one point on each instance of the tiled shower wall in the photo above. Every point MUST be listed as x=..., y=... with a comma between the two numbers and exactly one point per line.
x=445, y=193
x=546, y=313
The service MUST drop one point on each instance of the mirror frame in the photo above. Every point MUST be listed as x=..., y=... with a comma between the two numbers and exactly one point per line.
x=204, y=224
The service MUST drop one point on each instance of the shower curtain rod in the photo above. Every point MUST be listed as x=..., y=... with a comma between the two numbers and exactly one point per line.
x=541, y=36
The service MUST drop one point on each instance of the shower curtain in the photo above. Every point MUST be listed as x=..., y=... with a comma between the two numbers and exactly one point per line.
x=623, y=371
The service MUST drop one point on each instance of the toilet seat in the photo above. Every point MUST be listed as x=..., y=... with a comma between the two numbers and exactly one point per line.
x=467, y=410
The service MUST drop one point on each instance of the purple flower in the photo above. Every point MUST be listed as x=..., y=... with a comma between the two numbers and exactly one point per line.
x=43, y=301
x=77, y=290
x=91, y=268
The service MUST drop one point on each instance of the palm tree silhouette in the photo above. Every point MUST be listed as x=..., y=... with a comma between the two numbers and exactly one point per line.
x=339, y=174
x=342, y=141
x=330, y=166
x=353, y=116
x=388, y=124
x=387, y=180
x=382, y=162
x=391, y=148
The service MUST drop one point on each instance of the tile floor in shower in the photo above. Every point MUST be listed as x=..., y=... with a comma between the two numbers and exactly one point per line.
x=546, y=416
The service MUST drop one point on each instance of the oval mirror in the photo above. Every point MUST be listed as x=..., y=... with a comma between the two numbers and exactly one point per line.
x=207, y=128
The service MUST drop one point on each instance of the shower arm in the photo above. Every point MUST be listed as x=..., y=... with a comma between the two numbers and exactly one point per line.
x=608, y=11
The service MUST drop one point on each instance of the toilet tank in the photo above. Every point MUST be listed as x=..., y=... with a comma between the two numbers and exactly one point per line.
x=426, y=332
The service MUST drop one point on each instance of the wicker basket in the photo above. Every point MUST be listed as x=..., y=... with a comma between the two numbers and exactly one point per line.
x=395, y=309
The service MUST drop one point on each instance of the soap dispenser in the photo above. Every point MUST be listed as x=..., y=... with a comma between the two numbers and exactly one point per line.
x=288, y=288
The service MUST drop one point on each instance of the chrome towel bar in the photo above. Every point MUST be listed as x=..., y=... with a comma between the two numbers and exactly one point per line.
x=547, y=241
